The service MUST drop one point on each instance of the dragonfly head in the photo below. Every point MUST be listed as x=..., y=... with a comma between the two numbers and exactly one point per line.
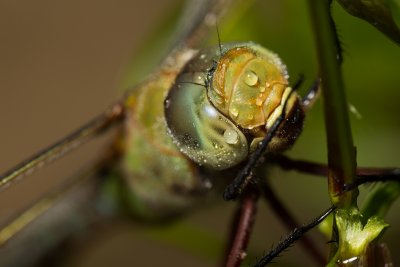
x=224, y=102
x=249, y=84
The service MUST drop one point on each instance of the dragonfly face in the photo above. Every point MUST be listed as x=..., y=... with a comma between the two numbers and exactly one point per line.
x=223, y=102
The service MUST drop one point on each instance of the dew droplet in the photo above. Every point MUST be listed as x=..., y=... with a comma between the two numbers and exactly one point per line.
x=167, y=103
x=231, y=136
x=259, y=102
x=234, y=112
x=250, y=78
x=262, y=89
x=207, y=184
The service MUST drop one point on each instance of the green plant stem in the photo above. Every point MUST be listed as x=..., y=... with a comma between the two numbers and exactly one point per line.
x=341, y=151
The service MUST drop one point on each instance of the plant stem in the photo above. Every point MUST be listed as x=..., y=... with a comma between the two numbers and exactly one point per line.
x=341, y=151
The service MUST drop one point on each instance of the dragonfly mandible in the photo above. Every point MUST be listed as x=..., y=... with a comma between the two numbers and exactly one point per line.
x=313, y=214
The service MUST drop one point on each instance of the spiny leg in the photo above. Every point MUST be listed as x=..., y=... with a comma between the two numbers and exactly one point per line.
x=372, y=176
x=290, y=222
x=291, y=238
x=234, y=189
x=364, y=174
x=303, y=166
x=242, y=225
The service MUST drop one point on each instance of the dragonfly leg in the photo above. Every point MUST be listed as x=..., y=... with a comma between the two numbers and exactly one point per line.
x=242, y=225
x=292, y=237
x=312, y=95
x=364, y=174
x=290, y=222
x=235, y=188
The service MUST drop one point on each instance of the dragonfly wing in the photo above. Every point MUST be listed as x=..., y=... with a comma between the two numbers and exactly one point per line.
x=39, y=232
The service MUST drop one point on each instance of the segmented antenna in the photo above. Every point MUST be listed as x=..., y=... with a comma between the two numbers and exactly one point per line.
x=219, y=38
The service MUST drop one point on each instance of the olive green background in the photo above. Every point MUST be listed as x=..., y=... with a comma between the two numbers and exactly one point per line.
x=63, y=62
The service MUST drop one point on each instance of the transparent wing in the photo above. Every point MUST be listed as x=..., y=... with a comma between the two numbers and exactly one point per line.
x=42, y=233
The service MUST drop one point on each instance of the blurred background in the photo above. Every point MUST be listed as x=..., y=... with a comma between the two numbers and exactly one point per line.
x=63, y=62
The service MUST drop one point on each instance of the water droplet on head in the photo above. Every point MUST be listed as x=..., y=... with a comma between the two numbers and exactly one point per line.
x=231, y=136
x=250, y=78
x=234, y=112
x=259, y=102
x=167, y=103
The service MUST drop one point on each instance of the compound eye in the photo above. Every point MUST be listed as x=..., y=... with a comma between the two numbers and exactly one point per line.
x=199, y=130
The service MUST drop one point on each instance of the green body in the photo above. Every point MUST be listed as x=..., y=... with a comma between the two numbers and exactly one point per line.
x=179, y=141
x=160, y=181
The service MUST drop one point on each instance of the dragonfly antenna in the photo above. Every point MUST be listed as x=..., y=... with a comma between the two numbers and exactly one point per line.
x=199, y=84
x=219, y=38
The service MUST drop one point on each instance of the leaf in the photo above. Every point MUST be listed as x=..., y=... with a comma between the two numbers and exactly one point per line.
x=382, y=14
x=395, y=9
x=355, y=235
